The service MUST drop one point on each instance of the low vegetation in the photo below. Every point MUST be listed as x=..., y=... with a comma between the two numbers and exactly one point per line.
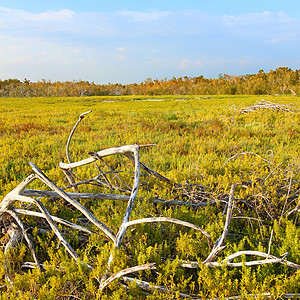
x=233, y=169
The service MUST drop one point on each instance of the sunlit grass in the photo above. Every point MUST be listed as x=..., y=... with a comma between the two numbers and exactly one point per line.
x=194, y=138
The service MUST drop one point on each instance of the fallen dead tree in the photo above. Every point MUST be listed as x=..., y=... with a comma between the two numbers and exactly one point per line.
x=266, y=105
x=10, y=215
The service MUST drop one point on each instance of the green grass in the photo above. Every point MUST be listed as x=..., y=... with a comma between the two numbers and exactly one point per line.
x=194, y=137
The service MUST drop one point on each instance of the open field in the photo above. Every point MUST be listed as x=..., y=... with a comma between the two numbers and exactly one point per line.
x=202, y=143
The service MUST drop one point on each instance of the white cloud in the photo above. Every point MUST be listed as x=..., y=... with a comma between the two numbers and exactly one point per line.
x=184, y=64
x=65, y=42
x=155, y=23
x=21, y=60
x=62, y=21
x=190, y=64
x=16, y=17
x=246, y=19
x=270, y=26
x=144, y=16
x=121, y=49
x=121, y=55
x=60, y=15
x=257, y=18
x=199, y=63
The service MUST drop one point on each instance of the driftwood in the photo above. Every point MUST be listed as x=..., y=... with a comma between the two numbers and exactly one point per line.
x=244, y=153
x=218, y=245
x=150, y=266
x=21, y=193
x=266, y=105
x=150, y=287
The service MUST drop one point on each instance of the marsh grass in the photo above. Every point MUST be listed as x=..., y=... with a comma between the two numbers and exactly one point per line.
x=194, y=138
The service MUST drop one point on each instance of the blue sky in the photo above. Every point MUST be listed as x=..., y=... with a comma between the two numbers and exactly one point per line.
x=129, y=41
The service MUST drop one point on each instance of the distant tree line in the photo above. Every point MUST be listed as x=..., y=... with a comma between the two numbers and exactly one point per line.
x=283, y=80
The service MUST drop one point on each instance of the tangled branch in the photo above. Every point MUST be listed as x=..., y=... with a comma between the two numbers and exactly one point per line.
x=17, y=228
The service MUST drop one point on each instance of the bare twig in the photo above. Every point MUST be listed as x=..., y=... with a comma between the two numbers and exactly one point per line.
x=180, y=203
x=273, y=172
x=50, y=221
x=111, y=170
x=15, y=236
x=269, y=259
x=170, y=220
x=81, y=116
x=152, y=172
x=30, y=245
x=55, y=219
x=243, y=153
x=287, y=197
x=270, y=242
x=147, y=286
x=150, y=266
x=76, y=204
x=218, y=245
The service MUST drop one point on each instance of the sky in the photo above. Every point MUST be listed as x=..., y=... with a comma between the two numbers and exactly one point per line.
x=130, y=41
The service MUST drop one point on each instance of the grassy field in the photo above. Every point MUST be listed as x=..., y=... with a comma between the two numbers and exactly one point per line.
x=202, y=143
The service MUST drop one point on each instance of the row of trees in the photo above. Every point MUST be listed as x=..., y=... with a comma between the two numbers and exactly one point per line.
x=283, y=80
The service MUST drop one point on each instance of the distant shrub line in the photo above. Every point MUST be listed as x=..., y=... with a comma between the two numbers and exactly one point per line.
x=283, y=80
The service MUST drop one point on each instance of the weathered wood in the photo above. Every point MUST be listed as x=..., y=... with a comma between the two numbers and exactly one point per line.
x=8, y=201
x=243, y=153
x=76, y=204
x=102, y=196
x=101, y=153
x=24, y=233
x=111, y=171
x=50, y=221
x=81, y=116
x=70, y=178
x=269, y=259
x=122, y=229
x=150, y=266
x=15, y=235
x=129, y=208
x=150, y=171
x=181, y=203
x=170, y=220
x=266, y=105
x=218, y=245
x=20, y=193
x=147, y=286
x=53, y=194
x=55, y=219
